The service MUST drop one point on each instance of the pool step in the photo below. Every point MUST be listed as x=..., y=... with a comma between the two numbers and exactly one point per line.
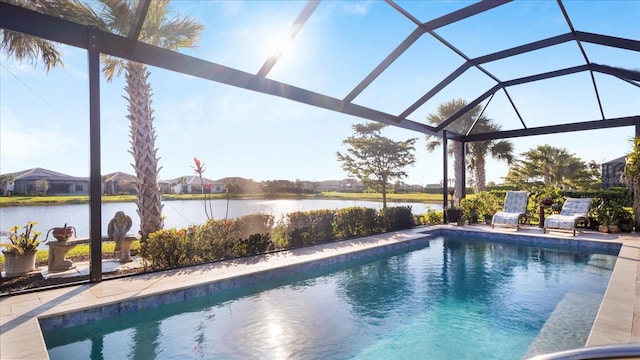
x=568, y=325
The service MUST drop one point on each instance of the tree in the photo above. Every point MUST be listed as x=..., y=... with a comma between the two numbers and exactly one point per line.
x=476, y=151
x=374, y=159
x=445, y=111
x=42, y=186
x=159, y=29
x=553, y=167
x=116, y=16
x=632, y=177
x=26, y=48
x=6, y=184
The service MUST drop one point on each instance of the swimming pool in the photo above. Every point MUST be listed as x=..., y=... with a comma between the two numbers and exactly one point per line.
x=447, y=298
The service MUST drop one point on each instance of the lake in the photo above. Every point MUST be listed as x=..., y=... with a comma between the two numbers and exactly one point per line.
x=178, y=213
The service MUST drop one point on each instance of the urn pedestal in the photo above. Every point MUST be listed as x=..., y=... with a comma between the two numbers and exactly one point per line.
x=57, y=256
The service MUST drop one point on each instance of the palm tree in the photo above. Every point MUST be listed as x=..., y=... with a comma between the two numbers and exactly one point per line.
x=555, y=167
x=478, y=151
x=117, y=16
x=445, y=110
x=159, y=29
x=632, y=177
x=27, y=48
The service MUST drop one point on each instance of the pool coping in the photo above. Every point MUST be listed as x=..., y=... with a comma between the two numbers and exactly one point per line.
x=618, y=319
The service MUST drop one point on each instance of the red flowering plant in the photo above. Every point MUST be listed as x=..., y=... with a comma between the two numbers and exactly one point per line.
x=199, y=169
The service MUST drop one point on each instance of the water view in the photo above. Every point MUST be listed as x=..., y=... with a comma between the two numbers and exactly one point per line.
x=179, y=213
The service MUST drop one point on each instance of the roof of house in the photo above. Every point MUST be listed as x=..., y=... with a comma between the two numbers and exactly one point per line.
x=619, y=160
x=117, y=176
x=193, y=180
x=44, y=174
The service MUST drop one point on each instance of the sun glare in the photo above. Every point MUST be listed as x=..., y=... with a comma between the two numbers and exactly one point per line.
x=278, y=44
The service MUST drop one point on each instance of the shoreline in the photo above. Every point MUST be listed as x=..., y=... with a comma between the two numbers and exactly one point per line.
x=16, y=201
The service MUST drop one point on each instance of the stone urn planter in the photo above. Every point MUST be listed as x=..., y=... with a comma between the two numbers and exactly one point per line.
x=16, y=264
x=61, y=233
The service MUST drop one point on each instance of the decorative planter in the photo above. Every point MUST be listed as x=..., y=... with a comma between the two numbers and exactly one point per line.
x=603, y=228
x=453, y=215
x=62, y=233
x=16, y=264
x=614, y=229
x=626, y=227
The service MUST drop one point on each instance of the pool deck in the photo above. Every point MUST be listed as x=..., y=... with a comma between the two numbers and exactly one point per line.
x=618, y=320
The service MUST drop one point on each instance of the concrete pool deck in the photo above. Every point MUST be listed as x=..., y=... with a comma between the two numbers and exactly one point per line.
x=618, y=320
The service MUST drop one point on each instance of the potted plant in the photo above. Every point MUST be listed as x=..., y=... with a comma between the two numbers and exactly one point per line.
x=20, y=253
x=488, y=218
x=452, y=213
x=602, y=212
x=626, y=221
x=604, y=226
x=615, y=215
x=470, y=209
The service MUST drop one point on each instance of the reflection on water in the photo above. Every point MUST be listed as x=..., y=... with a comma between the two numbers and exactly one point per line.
x=449, y=299
x=178, y=213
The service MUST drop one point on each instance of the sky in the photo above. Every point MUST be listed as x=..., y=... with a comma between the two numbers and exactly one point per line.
x=44, y=117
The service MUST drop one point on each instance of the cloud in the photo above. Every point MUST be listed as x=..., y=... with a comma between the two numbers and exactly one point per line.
x=356, y=7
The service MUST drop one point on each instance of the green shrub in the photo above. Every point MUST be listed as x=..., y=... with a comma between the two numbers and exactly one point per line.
x=433, y=217
x=355, y=221
x=213, y=239
x=396, y=218
x=168, y=248
x=309, y=228
x=256, y=234
x=255, y=244
x=252, y=235
x=489, y=202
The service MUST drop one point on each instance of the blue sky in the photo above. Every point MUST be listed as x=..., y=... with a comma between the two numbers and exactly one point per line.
x=44, y=117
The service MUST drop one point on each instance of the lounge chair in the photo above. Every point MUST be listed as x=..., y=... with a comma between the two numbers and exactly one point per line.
x=515, y=208
x=573, y=211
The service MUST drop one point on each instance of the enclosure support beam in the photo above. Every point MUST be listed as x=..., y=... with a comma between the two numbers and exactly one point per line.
x=463, y=172
x=95, y=179
x=445, y=175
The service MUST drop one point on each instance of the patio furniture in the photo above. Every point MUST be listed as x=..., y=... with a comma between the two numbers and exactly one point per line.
x=573, y=211
x=515, y=208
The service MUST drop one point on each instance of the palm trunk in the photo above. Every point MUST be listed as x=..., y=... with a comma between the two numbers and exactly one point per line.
x=458, y=168
x=143, y=148
x=480, y=174
x=636, y=203
x=384, y=195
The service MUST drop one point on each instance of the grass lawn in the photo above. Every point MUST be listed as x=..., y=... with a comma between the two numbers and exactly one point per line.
x=80, y=251
x=83, y=199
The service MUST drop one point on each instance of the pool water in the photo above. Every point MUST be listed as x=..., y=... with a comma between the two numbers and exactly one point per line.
x=449, y=298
